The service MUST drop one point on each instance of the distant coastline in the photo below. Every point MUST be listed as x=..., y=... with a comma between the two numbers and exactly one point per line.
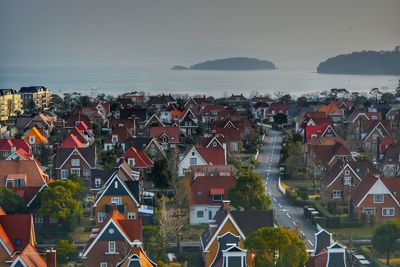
x=365, y=62
x=235, y=63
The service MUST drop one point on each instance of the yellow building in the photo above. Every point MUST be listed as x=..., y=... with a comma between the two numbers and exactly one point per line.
x=36, y=97
x=10, y=104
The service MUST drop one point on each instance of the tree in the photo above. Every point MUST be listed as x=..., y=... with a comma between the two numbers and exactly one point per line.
x=66, y=251
x=249, y=193
x=385, y=238
x=10, y=202
x=162, y=175
x=294, y=161
x=110, y=157
x=280, y=119
x=279, y=247
x=376, y=93
x=61, y=200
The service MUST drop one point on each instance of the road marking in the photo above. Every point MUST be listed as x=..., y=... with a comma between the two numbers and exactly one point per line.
x=280, y=205
x=274, y=198
x=310, y=243
x=294, y=223
x=287, y=214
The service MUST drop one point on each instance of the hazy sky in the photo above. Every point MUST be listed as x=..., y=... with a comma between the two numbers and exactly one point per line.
x=168, y=32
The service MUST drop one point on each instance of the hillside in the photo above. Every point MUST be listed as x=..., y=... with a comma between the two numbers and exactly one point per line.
x=236, y=63
x=366, y=62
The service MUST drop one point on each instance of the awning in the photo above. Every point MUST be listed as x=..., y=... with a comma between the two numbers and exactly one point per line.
x=217, y=191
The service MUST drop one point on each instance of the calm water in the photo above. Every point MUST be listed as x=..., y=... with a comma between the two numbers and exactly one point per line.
x=119, y=79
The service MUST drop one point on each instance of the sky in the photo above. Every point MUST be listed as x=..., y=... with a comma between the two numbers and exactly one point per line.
x=291, y=33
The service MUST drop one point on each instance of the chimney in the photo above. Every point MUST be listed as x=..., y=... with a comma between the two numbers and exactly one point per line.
x=226, y=205
x=51, y=257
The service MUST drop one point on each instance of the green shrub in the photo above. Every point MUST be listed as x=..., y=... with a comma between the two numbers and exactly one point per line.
x=322, y=221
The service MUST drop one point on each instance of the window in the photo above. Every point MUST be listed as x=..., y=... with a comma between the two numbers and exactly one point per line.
x=97, y=182
x=347, y=181
x=38, y=218
x=111, y=246
x=217, y=197
x=200, y=214
x=75, y=162
x=86, y=173
x=116, y=184
x=114, y=139
x=347, y=172
x=214, y=143
x=116, y=200
x=103, y=264
x=101, y=216
x=199, y=193
x=388, y=212
x=369, y=211
x=18, y=242
x=31, y=139
x=131, y=162
x=64, y=174
x=164, y=140
x=131, y=215
x=378, y=198
x=76, y=171
x=193, y=161
x=234, y=147
x=337, y=194
x=210, y=215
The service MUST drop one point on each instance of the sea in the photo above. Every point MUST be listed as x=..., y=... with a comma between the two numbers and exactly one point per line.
x=115, y=80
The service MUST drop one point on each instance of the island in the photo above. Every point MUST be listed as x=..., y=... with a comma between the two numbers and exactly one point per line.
x=365, y=62
x=235, y=63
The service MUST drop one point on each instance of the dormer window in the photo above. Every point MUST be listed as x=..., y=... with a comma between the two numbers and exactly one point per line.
x=114, y=139
x=131, y=162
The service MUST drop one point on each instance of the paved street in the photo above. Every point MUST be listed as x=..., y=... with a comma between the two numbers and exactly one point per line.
x=286, y=214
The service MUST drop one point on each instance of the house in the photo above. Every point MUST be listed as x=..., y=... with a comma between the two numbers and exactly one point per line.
x=137, y=113
x=312, y=119
x=389, y=156
x=10, y=103
x=339, y=181
x=159, y=102
x=168, y=136
x=170, y=115
x=260, y=110
x=35, y=139
x=10, y=146
x=276, y=108
x=189, y=123
x=74, y=140
x=17, y=236
x=19, y=173
x=327, y=152
x=232, y=137
x=138, y=161
x=36, y=97
x=212, y=112
x=119, y=192
x=119, y=135
x=84, y=129
x=112, y=241
x=74, y=161
x=222, y=243
x=372, y=132
x=129, y=124
x=137, y=257
x=377, y=198
x=393, y=116
x=236, y=100
x=333, y=111
x=149, y=145
x=44, y=122
x=201, y=156
x=133, y=99
x=75, y=119
x=327, y=252
x=206, y=196
x=318, y=131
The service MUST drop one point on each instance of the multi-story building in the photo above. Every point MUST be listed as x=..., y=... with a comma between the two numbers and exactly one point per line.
x=36, y=97
x=10, y=103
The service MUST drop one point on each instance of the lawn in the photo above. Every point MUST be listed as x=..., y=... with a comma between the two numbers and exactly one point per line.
x=299, y=183
x=356, y=233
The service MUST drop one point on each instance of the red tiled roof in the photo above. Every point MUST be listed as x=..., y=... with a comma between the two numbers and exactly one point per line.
x=6, y=240
x=386, y=141
x=368, y=115
x=27, y=192
x=314, y=130
x=278, y=108
x=393, y=184
x=34, y=173
x=172, y=133
x=141, y=159
x=231, y=134
x=331, y=109
x=363, y=187
x=17, y=227
x=209, y=185
x=72, y=141
x=212, y=156
x=7, y=144
x=31, y=257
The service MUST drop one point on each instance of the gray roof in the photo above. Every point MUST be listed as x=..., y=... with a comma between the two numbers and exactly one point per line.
x=89, y=153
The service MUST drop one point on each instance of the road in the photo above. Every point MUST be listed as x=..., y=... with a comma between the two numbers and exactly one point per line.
x=286, y=214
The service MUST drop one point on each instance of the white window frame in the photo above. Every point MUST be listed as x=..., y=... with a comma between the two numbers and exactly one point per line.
x=116, y=200
x=217, y=200
x=64, y=174
x=75, y=162
x=86, y=173
x=112, y=247
x=193, y=161
x=131, y=215
x=76, y=171
x=103, y=264
x=334, y=196
x=97, y=182
x=31, y=139
x=369, y=211
x=390, y=215
x=131, y=161
x=383, y=198
x=101, y=216
x=348, y=180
